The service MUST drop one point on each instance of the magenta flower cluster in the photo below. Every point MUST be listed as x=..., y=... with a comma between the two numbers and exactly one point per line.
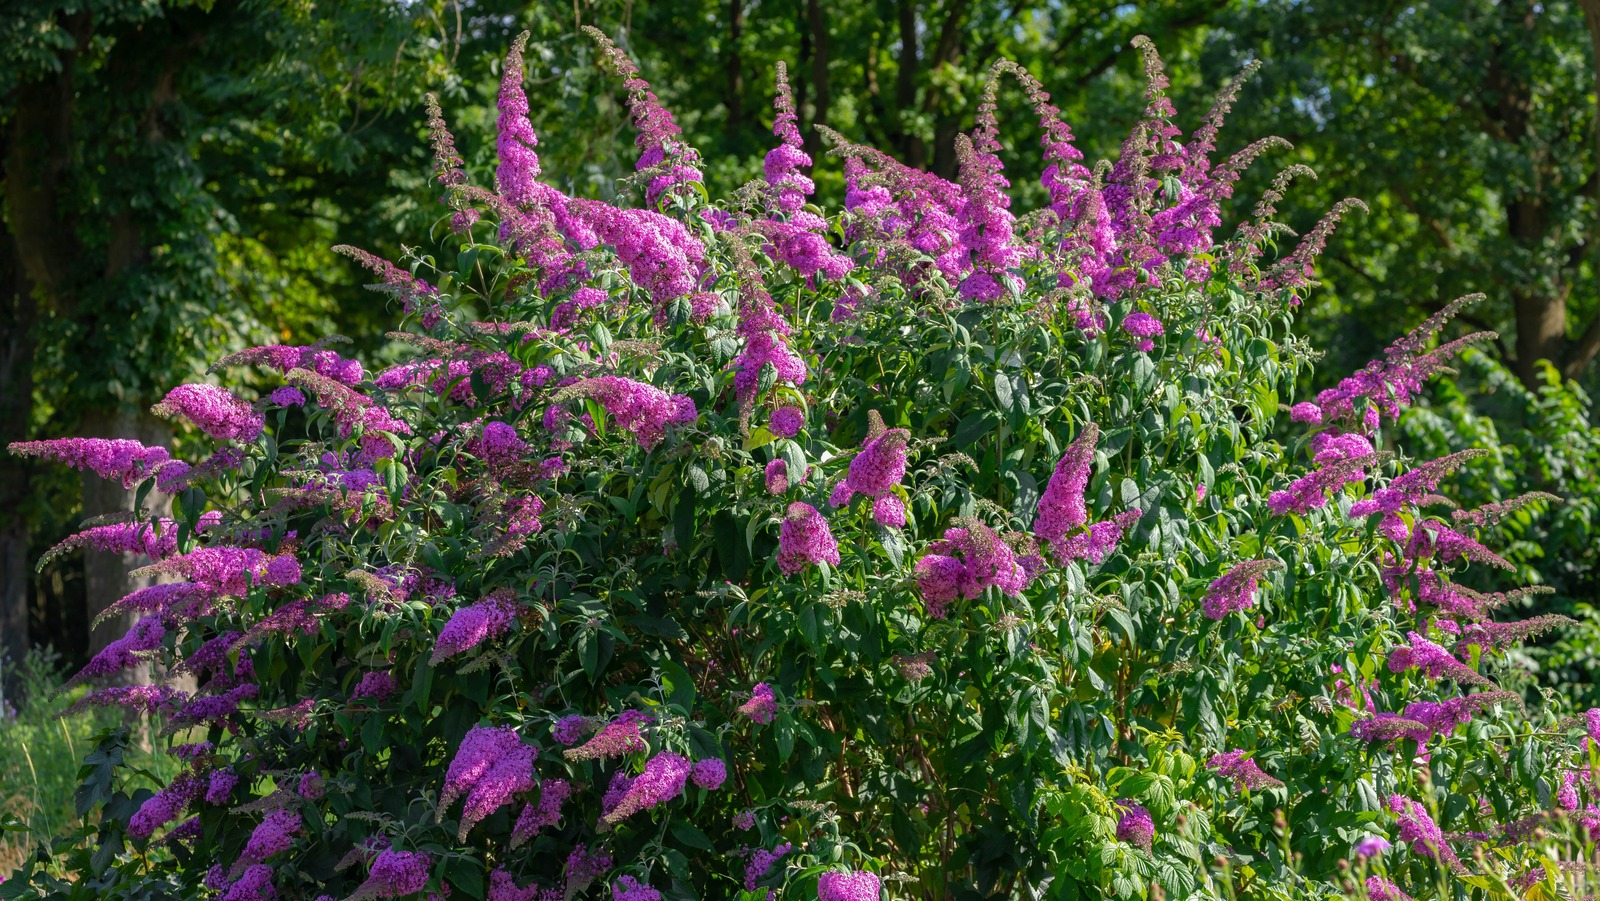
x=1235, y=590
x=214, y=411
x=1242, y=770
x=491, y=765
x=553, y=794
x=762, y=708
x=761, y=861
x=969, y=560
x=663, y=779
x=619, y=737
x=643, y=410
x=851, y=885
x=1420, y=832
x=1135, y=826
x=878, y=467
x=805, y=540
x=117, y=459
x=472, y=625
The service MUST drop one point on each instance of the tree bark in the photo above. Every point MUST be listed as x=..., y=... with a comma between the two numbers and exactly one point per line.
x=18, y=313
x=945, y=53
x=39, y=257
x=911, y=148
x=1540, y=315
x=735, y=88
x=818, y=25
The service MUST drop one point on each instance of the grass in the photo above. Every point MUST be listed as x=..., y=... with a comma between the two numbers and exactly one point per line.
x=40, y=752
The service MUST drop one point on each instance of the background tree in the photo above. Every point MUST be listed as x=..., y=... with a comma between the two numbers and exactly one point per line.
x=1470, y=128
x=165, y=169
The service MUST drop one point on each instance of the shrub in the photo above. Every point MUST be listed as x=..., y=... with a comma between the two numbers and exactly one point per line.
x=725, y=550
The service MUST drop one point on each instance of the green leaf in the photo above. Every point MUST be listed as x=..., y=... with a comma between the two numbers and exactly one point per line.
x=1145, y=374
x=698, y=480
x=973, y=427
x=732, y=555
x=1003, y=392
x=794, y=458
x=676, y=684
x=422, y=685
x=589, y=652
x=688, y=834
x=466, y=874
x=894, y=544
x=783, y=734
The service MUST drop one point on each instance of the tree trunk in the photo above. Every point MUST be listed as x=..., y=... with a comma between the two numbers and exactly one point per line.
x=911, y=148
x=735, y=90
x=17, y=315
x=38, y=261
x=1541, y=335
x=106, y=578
x=1541, y=316
x=818, y=25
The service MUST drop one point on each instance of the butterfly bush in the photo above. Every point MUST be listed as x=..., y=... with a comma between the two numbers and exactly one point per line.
x=923, y=548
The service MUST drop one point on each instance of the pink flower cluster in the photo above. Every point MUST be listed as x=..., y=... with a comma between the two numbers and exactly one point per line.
x=1144, y=327
x=663, y=779
x=1235, y=590
x=786, y=422
x=643, y=410
x=805, y=540
x=553, y=794
x=503, y=887
x=284, y=357
x=519, y=164
x=472, y=625
x=878, y=467
x=165, y=805
x=766, y=340
x=1310, y=491
x=219, y=786
x=628, y=888
x=710, y=773
x=662, y=148
x=271, y=837
x=619, y=737
x=988, y=250
x=1388, y=385
x=395, y=874
x=254, y=884
x=118, y=459
x=1135, y=826
x=762, y=708
x=966, y=562
x=224, y=571
x=1243, y=771
x=491, y=765
x=126, y=652
x=1418, y=830
x=156, y=540
x=661, y=256
x=850, y=885
x=777, y=477
x=1432, y=660
x=1062, y=522
x=215, y=411
x=761, y=861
